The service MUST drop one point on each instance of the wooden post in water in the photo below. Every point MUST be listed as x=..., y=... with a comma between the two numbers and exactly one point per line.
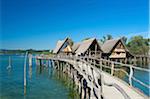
x=30, y=59
x=144, y=60
x=9, y=65
x=36, y=60
x=25, y=82
x=30, y=66
x=40, y=62
x=141, y=60
x=47, y=62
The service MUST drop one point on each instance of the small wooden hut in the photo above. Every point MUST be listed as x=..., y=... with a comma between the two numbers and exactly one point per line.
x=63, y=47
x=88, y=47
x=116, y=50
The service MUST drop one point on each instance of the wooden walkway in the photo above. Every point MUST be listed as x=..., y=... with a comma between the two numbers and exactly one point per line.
x=112, y=91
x=110, y=88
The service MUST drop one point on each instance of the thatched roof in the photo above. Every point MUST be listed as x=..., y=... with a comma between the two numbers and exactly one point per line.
x=83, y=46
x=109, y=45
x=59, y=45
x=75, y=46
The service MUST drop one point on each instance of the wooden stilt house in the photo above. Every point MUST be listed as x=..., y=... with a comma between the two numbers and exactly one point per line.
x=116, y=50
x=88, y=47
x=63, y=47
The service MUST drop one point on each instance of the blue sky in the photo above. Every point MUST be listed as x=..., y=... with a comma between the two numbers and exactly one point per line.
x=38, y=24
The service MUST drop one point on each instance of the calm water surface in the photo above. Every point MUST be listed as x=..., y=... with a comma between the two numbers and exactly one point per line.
x=142, y=76
x=40, y=84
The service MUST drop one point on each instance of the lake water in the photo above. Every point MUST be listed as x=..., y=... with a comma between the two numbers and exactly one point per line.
x=144, y=77
x=43, y=84
x=40, y=84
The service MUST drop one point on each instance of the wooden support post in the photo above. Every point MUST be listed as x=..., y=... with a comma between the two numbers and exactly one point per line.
x=95, y=49
x=42, y=62
x=62, y=66
x=36, y=60
x=25, y=80
x=30, y=59
x=101, y=67
x=141, y=60
x=9, y=65
x=58, y=65
x=92, y=93
x=94, y=62
x=79, y=87
x=130, y=75
x=125, y=61
x=51, y=63
x=47, y=63
x=105, y=63
x=120, y=60
x=144, y=60
x=112, y=68
x=134, y=60
x=101, y=87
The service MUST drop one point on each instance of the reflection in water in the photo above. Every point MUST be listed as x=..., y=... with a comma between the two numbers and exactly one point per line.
x=30, y=72
x=50, y=72
x=9, y=71
x=59, y=76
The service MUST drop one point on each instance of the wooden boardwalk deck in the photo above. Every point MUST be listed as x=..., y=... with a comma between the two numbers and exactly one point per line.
x=110, y=92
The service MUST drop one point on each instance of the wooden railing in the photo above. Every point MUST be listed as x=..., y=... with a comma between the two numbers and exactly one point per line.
x=113, y=66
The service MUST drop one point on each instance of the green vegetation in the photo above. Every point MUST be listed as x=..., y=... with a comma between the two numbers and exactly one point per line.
x=105, y=38
x=138, y=45
x=86, y=39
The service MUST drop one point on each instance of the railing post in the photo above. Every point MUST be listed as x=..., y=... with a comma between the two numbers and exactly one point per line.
x=130, y=75
x=112, y=68
x=134, y=60
x=101, y=65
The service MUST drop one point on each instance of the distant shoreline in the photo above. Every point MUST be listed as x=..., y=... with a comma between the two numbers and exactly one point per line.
x=22, y=52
